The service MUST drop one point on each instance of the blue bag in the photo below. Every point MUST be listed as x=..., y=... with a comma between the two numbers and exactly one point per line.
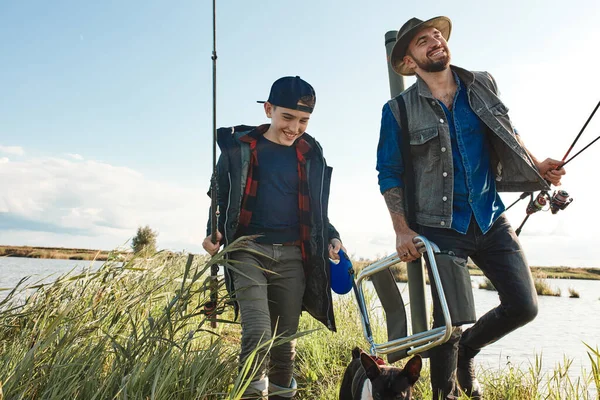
x=342, y=274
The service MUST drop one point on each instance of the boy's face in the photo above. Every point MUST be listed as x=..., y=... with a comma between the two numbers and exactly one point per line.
x=287, y=125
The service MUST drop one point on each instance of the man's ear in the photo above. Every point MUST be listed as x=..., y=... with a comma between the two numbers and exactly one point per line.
x=370, y=366
x=409, y=62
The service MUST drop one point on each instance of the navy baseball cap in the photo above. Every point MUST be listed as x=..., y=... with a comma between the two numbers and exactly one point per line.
x=286, y=92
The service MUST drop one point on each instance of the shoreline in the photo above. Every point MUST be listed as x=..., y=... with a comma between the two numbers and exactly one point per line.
x=62, y=253
x=56, y=253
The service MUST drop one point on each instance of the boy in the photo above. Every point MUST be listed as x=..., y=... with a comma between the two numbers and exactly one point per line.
x=274, y=182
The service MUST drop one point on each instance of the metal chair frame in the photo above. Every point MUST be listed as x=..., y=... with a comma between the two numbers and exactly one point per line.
x=417, y=342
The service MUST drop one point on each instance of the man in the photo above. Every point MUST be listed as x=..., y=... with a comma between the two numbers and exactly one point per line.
x=274, y=182
x=464, y=150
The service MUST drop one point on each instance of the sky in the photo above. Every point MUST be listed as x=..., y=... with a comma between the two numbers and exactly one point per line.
x=106, y=109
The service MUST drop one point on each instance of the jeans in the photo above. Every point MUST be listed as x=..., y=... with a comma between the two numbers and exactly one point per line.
x=500, y=257
x=270, y=300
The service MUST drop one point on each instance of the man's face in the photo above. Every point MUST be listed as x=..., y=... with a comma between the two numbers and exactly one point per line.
x=428, y=51
x=287, y=125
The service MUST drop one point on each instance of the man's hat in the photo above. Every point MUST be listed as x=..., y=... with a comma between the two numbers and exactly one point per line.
x=286, y=92
x=408, y=32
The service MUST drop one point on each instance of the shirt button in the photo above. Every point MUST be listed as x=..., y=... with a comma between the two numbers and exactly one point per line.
x=443, y=149
x=442, y=223
x=445, y=174
x=444, y=198
x=433, y=103
x=441, y=121
x=470, y=200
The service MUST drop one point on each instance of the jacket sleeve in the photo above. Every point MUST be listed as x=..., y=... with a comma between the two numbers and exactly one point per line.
x=332, y=233
x=222, y=190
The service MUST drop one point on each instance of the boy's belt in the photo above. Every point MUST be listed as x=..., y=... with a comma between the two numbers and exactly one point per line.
x=294, y=243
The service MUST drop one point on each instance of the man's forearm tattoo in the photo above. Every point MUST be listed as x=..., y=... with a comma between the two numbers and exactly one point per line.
x=394, y=198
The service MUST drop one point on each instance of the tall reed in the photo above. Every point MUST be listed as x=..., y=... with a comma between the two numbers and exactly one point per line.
x=136, y=330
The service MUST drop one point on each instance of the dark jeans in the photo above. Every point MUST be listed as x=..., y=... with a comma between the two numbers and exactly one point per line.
x=499, y=255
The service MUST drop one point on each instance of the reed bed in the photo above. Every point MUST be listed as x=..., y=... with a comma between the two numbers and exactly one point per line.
x=542, y=287
x=136, y=330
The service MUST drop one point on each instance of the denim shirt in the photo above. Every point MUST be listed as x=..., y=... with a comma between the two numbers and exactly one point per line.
x=474, y=186
x=478, y=124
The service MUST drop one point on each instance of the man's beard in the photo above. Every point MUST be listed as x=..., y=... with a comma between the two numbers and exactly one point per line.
x=434, y=66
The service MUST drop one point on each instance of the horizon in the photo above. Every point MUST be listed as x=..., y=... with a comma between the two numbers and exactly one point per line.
x=106, y=112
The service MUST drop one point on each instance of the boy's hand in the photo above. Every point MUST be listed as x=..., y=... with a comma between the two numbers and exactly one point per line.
x=210, y=247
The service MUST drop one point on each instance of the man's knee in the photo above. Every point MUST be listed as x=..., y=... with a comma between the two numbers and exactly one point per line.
x=524, y=313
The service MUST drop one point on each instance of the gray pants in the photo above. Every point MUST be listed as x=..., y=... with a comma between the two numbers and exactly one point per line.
x=270, y=298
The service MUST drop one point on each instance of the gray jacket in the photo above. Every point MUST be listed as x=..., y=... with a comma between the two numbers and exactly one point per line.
x=232, y=173
x=432, y=153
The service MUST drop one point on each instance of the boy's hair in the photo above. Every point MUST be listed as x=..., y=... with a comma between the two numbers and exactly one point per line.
x=288, y=91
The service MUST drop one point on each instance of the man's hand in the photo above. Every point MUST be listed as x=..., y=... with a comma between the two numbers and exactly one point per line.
x=405, y=246
x=551, y=170
x=210, y=247
x=334, y=247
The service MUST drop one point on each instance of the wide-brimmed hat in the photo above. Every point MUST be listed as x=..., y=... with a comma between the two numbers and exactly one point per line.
x=408, y=32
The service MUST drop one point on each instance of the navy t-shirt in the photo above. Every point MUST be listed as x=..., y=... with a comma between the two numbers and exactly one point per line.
x=276, y=212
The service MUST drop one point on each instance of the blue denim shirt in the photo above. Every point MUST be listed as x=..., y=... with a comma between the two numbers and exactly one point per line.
x=474, y=185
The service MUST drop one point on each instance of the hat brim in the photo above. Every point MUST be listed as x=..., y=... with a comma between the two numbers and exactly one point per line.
x=442, y=24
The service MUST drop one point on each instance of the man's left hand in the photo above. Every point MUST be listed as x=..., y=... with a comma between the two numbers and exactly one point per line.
x=551, y=170
x=334, y=247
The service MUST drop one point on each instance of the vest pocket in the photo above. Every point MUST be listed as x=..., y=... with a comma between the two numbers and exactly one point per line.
x=424, y=149
x=422, y=136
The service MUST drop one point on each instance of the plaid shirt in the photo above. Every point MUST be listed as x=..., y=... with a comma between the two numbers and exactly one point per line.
x=249, y=198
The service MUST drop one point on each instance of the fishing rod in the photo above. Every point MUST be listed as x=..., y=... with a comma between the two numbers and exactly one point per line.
x=210, y=307
x=580, y=132
x=560, y=199
x=581, y=151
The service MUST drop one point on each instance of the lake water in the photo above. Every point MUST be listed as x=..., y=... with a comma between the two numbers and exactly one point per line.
x=562, y=326
x=13, y=269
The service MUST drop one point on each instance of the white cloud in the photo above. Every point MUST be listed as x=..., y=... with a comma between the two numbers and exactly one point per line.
x=4, y=160
x=98, y=204
x=16, y=150
x=57, y=201
x=75, y=156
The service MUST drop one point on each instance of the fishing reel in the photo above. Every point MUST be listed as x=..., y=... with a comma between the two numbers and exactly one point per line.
x=538, y=203
x=558, y=201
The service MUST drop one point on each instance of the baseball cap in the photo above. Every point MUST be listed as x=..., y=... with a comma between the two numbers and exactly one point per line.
x=286, y=92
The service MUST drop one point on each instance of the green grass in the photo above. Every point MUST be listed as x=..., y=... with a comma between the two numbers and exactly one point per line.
x=542, y=287
x=136, y=331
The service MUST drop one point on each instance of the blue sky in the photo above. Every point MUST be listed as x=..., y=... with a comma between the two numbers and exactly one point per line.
x=105, y=109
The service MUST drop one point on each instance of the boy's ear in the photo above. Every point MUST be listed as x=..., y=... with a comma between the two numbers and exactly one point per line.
x=268, y=109
x=371, y=368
